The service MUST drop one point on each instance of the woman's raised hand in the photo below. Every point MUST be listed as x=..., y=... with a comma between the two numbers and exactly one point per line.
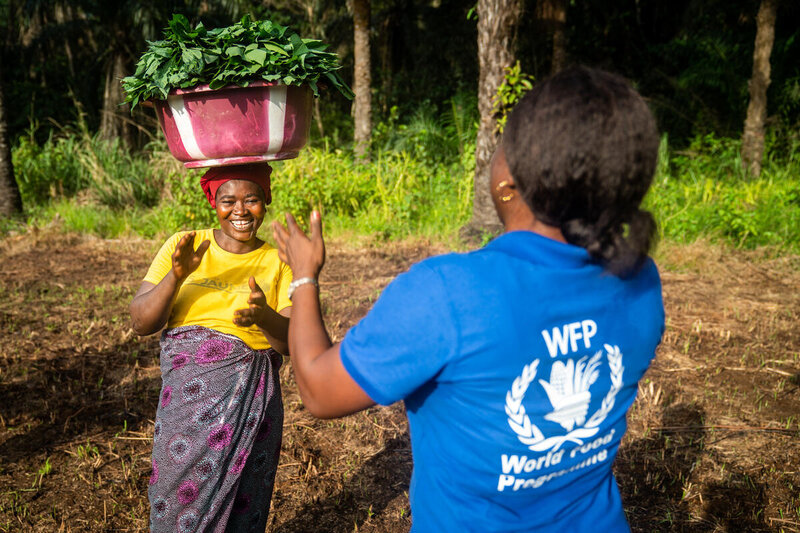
x=304, y=255
x=257, y=302
x=185, y=259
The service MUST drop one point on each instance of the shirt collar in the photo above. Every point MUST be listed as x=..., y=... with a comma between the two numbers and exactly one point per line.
x=540, y=250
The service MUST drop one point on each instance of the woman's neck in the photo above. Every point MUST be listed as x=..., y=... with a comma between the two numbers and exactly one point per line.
x=236, y=247
x=522, y=219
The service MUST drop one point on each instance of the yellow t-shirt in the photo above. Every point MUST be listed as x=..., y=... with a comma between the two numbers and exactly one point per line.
x=218, y=287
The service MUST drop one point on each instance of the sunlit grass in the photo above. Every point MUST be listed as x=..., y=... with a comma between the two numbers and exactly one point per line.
x=71, y=215
x=700, y=193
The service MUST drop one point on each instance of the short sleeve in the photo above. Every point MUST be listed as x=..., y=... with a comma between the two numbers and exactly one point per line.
x=162, y=263
x=284, y=281
x=405, y=340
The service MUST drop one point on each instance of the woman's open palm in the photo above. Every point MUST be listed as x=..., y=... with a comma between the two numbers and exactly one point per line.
x=185, y=259
x=305, y=255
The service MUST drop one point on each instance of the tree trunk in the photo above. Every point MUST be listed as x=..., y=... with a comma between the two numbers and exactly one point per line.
x=497, y=21
x=10, y=201
x=361, y=77
x=114, y=121
x=553, y=13
x=63, y=15
x=385, y=44
x=753, y=135
x=318, y=119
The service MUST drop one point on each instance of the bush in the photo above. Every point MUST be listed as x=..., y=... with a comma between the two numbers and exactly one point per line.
x=115, y=177
x=703, y=192
x=394, y=195
x=95, y=186
x=48, y=171
x=183, y=204
x=430, y=135
x=75, y=161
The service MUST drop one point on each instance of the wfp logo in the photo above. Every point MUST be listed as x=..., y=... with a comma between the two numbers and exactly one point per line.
x=569, y=395
x=568, y=390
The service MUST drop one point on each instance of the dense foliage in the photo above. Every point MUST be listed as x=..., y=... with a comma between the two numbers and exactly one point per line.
x=700, y=192
x=237, y=54
x=419, y=183
x=691, y=60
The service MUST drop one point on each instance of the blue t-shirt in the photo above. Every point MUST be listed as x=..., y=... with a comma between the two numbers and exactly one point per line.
x=517, y=364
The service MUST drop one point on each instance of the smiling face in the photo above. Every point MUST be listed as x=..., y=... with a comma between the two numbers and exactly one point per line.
x=240, y=211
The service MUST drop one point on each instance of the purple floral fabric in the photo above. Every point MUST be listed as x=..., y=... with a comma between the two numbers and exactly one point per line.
x=217, y=434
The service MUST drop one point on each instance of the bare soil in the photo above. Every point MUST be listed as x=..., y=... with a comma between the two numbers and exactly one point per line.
x=714, y=440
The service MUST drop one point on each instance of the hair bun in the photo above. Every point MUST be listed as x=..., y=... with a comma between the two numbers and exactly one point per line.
x=619, y=246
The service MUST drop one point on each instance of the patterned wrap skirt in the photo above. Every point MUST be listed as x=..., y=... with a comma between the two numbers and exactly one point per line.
x=217, y=434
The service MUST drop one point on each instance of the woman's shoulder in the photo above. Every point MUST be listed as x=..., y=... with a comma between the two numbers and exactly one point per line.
x=200, y=235
x=648, y=275
x=447, y=266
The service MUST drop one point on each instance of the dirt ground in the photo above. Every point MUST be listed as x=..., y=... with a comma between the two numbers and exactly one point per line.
x=714, y=440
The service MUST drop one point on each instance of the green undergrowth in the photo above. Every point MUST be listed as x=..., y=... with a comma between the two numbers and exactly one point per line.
x=392, y=196
x=703, y=193
x=81, y=183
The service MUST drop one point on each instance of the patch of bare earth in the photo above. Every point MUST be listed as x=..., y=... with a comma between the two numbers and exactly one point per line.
x=714, y=440
x=714, y=443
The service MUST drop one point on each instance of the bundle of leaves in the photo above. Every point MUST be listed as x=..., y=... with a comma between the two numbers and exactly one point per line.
x=238, y=54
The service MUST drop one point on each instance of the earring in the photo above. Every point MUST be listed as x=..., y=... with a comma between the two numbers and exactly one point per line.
x=507, y=197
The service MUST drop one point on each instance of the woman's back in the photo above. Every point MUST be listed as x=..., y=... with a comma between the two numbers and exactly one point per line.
x=527, y=359
x=517, y=362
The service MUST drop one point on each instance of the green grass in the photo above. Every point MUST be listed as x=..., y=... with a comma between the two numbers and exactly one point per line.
x=704, y=193
x=77, y=162
x=86, y=185
x=71, y=215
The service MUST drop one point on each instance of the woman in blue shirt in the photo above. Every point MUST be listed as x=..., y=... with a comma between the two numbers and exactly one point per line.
x=517, y=362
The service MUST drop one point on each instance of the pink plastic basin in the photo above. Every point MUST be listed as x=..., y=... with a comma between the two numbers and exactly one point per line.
x=235, y=125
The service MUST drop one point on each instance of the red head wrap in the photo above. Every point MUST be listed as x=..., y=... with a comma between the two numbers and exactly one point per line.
x=255, y=172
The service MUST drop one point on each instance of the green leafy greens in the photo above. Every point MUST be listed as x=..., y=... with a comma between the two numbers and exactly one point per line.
x=238, y=54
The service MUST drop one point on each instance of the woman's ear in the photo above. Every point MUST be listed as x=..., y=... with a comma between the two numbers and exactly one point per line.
x=505, y=190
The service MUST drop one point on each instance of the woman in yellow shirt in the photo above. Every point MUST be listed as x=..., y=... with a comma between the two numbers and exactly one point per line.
x=224, y=303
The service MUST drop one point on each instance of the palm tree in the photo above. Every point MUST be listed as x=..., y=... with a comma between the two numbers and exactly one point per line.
x=112, y=34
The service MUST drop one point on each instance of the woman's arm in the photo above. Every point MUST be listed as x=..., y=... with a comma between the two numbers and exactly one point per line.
x=325, y=386
x=152, y=304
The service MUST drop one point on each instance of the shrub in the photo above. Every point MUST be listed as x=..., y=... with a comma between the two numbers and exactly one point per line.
x=395, y=194
x=98, y=187
x=48, y=171
x=183, y=204
x=702, y=192
x=75, y=161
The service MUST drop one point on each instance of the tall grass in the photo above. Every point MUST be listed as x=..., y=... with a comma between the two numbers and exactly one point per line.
x=77, y=162
x=393, y=195
x=704, y=192
x=418, y=182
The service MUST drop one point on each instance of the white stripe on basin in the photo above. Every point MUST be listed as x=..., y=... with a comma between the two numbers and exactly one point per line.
x=276, y=111
x=184, y=124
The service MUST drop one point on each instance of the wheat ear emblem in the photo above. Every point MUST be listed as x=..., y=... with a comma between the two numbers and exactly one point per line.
x=583, y=374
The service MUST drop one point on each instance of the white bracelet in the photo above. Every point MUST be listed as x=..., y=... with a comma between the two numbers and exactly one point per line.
x=298, y=282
